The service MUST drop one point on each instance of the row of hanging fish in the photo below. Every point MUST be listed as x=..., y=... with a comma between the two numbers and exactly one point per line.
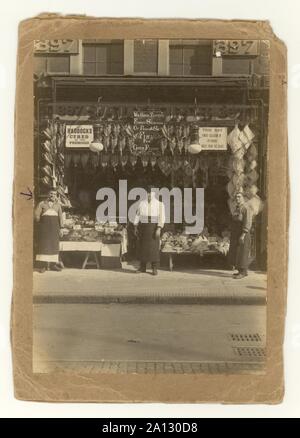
x=242, y=168
x=53, y=159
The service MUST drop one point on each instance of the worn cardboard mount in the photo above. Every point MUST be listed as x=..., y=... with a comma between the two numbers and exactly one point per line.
x=266, y=388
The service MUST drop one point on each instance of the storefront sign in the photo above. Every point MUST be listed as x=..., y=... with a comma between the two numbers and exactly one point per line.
x=213, y=138
x=235, y=47
x=79, y=136
x=147, y=126
x=56, y=46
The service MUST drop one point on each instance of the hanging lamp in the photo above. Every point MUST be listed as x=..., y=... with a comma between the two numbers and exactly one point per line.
x=194, y=147
x=96, y=145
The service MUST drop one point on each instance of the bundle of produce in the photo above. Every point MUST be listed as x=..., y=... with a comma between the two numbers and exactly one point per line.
x=74, y=236
x=69, y=223
x=199, y=245
x=90, y=235
x=223, y=245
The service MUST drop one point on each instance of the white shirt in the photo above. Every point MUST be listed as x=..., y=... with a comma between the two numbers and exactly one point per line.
x=152, y=211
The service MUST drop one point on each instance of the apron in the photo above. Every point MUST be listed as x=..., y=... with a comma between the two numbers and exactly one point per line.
x=148, y=244
x=239, y=253
x=48, y=237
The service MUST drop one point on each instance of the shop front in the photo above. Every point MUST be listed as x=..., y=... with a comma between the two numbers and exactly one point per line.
x=168, y=132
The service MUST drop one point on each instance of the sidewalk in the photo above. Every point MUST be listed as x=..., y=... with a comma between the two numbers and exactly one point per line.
x=194, y=286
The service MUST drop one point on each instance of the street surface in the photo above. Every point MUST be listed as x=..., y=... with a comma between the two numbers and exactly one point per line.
x=184, y=286
x=149, y=337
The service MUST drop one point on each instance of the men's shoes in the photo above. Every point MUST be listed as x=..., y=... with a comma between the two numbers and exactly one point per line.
x=154, y=272
x=42, y=270
x=239, y=276
x=55, y=268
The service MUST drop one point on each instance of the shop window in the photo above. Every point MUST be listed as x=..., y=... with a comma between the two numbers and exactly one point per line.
x=52, y=64
x=243, y=66
x=190, y=57
x=103, y=59
x=145, y=56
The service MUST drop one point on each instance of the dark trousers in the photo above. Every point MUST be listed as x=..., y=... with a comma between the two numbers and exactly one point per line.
x=144, y=266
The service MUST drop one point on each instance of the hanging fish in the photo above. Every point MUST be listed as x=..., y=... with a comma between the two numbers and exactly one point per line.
x=117, y=128
x=153, y=161
x=133, y=160
x=47, y=170
x=113, y=142
x=122, y=143
x=145, y=160
x=180, y=145
x=106, y=142
x=124, y=160
x=47, y=146
x=114, y=160
x=47, y=157
x=104, y=159
x=165, y=132
x=48, y=133
x=47, y=181
x=172, y=145
x=163, y=145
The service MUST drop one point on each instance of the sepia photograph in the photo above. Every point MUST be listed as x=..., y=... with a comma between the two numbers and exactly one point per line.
x=150, y=206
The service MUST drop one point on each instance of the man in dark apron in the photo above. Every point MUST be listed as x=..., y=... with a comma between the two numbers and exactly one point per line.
x=240, y=239
x=49, y=216
x=149, y=221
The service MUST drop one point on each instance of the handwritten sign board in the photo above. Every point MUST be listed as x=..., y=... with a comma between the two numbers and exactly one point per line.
x=79, y=136
x=213, y=138
x=147, y=126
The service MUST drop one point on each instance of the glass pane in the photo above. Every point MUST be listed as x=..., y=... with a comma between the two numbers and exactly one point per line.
x=117, y=53
x=176, y=69
x=101, y=68
x=195, y=58
x=108, y=58
x=89, y=52
x=236, y=66
x=145, y=56
x=176, y=54
x=40, y=64
x=58, y=64
x=115, y=68
x=102, y=53
x=89, y=68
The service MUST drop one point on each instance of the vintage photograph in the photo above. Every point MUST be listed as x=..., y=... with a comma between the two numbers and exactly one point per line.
x=150, y=205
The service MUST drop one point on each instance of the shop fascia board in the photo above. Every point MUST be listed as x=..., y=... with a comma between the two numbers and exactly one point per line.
x=204, y=81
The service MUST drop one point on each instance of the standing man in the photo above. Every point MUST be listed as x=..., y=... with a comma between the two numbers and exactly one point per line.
x=49, y=216
x=240, y=238
x=149, y=221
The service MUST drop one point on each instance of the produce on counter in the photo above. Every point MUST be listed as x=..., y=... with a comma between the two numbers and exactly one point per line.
x=198, y=244
x=81, y=228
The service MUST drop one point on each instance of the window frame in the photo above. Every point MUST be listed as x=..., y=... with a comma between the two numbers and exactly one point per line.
x=107, y=44
x=146, y=73
x=185, y=44
x=51, y=72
